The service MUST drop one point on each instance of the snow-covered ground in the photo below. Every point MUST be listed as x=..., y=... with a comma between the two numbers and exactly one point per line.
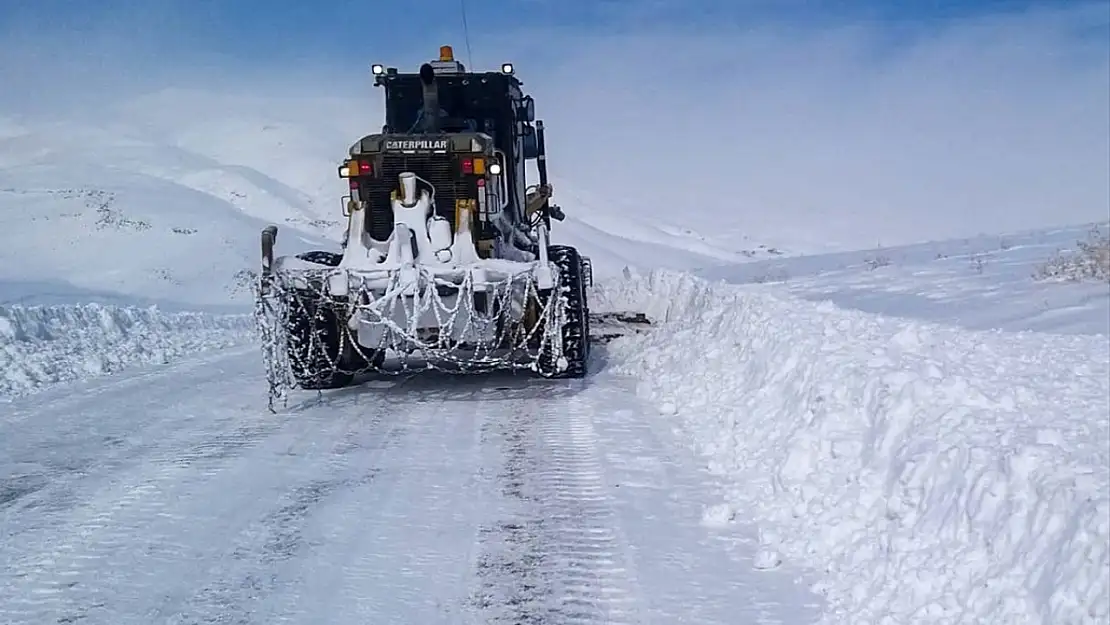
x=983, y=283
x=172, y=496
x=915, y=434
x=927, y=425
x=907, y=470
x=930, y=473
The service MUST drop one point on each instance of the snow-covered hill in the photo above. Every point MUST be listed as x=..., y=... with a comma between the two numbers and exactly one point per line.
x=1041, y=280
x=99, y=212
x=154, y=207
x=123, y=234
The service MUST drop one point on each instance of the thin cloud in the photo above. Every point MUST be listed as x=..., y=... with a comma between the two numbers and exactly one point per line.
x=838, y=132
x=986, y=124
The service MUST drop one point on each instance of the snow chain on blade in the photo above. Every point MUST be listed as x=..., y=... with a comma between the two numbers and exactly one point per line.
x=307, y=342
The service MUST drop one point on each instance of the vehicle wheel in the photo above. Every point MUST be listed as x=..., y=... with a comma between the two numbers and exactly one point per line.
x=319, y=346
x=574, y=359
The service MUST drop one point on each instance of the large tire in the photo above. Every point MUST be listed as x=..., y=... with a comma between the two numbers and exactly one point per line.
x=576, y=328
x=319, y=347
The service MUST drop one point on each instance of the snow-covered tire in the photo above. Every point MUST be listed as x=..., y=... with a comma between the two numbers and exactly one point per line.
x=333, y=361
x=574, y=361
x=319, y=347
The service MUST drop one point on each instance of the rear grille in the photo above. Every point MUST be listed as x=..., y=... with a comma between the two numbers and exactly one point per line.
x=437, y=169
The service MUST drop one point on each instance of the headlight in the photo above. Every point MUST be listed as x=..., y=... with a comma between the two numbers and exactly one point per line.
x=378, y=69
x=495, y=169
x=344, y=172
x=506, y=68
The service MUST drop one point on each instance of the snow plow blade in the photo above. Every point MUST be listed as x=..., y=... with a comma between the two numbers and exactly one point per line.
x=609, y=326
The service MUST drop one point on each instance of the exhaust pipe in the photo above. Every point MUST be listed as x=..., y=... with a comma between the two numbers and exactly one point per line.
x=269, y=237
x=431, y=99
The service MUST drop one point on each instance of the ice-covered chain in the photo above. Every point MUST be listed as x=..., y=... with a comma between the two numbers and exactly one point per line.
x=276, y=299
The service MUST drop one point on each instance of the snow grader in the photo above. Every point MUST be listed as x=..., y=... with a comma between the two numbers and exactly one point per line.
x=447, y=260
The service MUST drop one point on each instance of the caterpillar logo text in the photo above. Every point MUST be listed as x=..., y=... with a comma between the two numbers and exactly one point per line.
x=424, y=145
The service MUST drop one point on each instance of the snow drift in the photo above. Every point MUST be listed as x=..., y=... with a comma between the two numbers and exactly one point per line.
x=932, y=474
x=43, y=345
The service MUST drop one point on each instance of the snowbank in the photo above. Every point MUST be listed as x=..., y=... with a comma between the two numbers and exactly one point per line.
x=933, y=474
x=42, y=345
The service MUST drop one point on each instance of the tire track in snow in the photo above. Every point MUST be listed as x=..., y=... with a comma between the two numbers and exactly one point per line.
x=397, y=550
x=261, y=562
x=594, y=581
x=606, y=523
x=559, y=557
x=509, y=565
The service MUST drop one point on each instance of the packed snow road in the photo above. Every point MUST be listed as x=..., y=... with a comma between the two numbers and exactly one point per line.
x=174, y=496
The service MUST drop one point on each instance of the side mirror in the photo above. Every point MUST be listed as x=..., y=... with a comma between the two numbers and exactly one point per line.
x=527, y=110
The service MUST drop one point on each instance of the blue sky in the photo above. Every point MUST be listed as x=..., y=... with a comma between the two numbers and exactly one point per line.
x=281, y=30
